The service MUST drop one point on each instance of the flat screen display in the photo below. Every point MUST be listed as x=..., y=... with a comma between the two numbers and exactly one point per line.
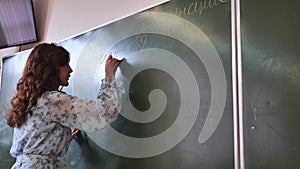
x=17, y=23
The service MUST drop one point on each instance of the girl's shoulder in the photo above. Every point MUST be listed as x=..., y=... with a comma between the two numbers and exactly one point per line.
x=52, y=93
x=56, y=96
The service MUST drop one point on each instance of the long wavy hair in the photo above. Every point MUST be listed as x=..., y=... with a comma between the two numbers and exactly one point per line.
x=40, y=74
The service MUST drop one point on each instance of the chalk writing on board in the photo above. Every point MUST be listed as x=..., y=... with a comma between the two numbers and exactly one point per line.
x=142, y=27
x=147, y=57
x=142, y=38
x=141, y=41
x=199, y=7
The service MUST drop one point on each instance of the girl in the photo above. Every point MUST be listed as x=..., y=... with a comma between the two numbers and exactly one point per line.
x=42, y=116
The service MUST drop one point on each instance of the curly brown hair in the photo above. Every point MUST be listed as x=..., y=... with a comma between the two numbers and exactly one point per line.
x=40, y=74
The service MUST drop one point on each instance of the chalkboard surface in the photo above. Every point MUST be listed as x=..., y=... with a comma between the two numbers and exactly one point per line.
x=271, y=83
x=177, y=109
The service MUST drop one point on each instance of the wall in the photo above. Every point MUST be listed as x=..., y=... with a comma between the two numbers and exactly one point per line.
x=60, y=19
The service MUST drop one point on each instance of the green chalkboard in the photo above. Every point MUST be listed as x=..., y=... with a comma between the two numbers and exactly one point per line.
x=177, y=109
x=271, y=83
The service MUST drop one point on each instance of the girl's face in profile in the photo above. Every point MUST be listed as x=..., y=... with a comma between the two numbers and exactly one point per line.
x=64, y=74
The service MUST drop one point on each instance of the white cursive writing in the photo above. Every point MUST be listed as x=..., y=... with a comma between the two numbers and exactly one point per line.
x=199, y=7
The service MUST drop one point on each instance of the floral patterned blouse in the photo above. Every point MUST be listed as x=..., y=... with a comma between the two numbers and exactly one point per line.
x=47, y=133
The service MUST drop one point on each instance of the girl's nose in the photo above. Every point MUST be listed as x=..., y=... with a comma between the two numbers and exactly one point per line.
x=70, y=69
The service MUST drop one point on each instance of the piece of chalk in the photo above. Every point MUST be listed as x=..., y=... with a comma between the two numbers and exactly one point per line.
x=121, y=60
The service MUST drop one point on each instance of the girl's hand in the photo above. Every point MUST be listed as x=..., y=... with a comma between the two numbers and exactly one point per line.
x=111, y=66
x=74, y=132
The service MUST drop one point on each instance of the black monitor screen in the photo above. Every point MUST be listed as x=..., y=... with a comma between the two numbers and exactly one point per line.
x=17, y=23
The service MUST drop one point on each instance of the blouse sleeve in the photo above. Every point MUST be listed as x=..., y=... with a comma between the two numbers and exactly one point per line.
x=84, y=114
